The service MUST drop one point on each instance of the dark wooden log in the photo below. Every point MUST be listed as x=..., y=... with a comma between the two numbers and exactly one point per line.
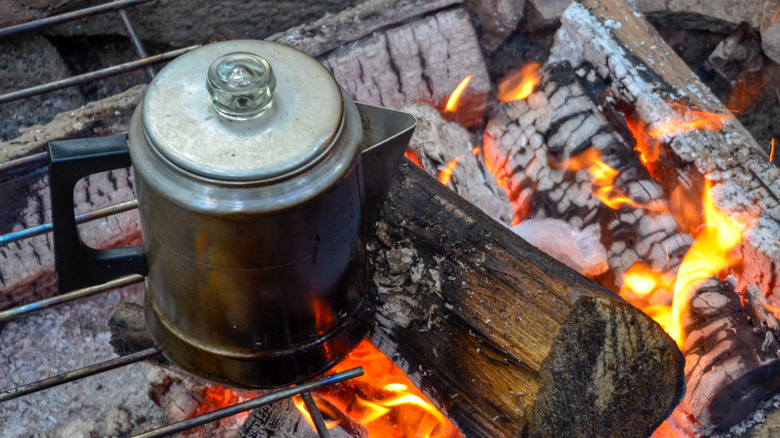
x=504, y=339
x=731, y=355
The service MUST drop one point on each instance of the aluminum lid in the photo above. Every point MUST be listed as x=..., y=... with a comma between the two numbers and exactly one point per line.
x=243, y=111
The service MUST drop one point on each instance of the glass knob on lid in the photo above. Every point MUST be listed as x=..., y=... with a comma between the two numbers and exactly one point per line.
x=241, y=85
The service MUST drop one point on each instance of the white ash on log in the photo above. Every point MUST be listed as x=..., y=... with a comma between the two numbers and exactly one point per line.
x=423, y=61
x=539, y=146
x=644, y=72
x=437, y=143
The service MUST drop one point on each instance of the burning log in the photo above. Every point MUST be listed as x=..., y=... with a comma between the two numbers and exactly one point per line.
x=410, y=64
x=730, y=355
x=447, y=149
x=502, y=338
x=553, y=151
x=648, y=81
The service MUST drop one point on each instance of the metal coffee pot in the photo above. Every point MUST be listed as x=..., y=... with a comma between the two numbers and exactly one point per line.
x=257, y=178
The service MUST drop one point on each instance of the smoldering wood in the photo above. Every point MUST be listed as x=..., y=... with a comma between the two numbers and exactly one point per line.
x=532, y=144
x=332, y=31
x=644, y=72
x=412, y=63
x=437, y=142
x=731, y=355
x=283, y=420
x=502, y=338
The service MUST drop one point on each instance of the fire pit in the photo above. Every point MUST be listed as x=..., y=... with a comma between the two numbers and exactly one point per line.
x=563, y=152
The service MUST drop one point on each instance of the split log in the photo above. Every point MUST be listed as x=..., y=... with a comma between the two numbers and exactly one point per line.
x=437, y=144
x=504, y=339
x=731, y=352
x=646, y=77
x=644, y=72
x=538, y=147
x=423, y=61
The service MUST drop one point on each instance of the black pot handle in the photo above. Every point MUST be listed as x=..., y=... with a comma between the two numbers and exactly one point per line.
x=77, y=265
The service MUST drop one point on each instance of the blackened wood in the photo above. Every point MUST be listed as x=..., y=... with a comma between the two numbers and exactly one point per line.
x=731, y=355
x=422, y=61
x=538, y=147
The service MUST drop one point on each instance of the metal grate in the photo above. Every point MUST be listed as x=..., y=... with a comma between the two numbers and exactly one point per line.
x=37, y=161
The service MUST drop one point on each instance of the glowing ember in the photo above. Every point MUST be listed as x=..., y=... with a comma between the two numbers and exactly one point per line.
x=774, y=17
x=452, y=102
x=641, y=281
x=383, y=401
x=520, y=84
x=413, y=157
x=446, y=173
x=772, y=152
x=709, y=254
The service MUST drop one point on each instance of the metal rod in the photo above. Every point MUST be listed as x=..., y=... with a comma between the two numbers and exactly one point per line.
x=316, y=415
x=16, y=312
x=69, y=16
x=250, y=404
x=35, y=159
x=92, y=76
x=139, y=47
x=78, y=374
x=80, y=219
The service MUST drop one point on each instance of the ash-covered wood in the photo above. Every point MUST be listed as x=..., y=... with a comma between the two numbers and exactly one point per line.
x=539, y=146
x=283, y=420
x=501, y=337
x=423, y=61
x=731, y=356
x=646, y=73
x=437, y=143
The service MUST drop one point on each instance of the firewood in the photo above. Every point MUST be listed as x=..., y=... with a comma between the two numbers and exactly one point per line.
x=331, y=31
x=646, y=73
x=437, y=144
x=504, y=339
x=532, y=145
x=731, y=357
x=645, y=76
x=414, y=63
x=283, y=420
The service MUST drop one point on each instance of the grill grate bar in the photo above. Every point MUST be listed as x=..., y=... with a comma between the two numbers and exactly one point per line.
x=265, y=399
x=316, y=415
x=78, y=374
x=69, y=16
x=139, y=47
x=93, y=76
x=16, y=312
x=80, y=219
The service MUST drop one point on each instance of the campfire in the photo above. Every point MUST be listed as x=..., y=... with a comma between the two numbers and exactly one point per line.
x=602, y=149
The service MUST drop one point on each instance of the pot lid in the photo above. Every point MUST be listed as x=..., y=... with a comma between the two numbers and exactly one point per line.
x=243, y=111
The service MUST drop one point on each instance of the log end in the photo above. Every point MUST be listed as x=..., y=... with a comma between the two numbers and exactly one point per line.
x=611, y=372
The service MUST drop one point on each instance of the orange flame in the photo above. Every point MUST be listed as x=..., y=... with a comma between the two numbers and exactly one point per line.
x=411, y=155
x=649, y=149
x=446, y=173
x=690, y=120
x=520, y=84
x=772, y=152
x=452, y=102
x=603, y=178
x=383, y=400
x=641, y=281
x=709, y=254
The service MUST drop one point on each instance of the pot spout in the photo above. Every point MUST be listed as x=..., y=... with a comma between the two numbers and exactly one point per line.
x=386, y=135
